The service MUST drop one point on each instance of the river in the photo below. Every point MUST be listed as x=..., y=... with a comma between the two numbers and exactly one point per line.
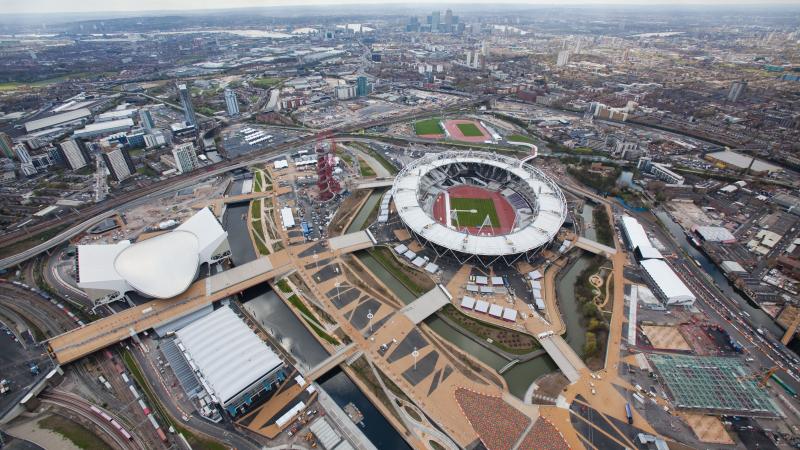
x=235, y=223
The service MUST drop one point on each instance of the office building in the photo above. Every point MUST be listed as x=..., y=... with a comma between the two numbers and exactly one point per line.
x=185, y=157
x=6, y=146
x=186, y=101
x=231, y=103
x=434, y=20
x=103, y=128
x=362, y=87
x=563, y=58
x=22, y=153
x=345, y=91
x=27, y=169
x=74, y=153
x=119, y=163
x=737, y=90
x=146, y=119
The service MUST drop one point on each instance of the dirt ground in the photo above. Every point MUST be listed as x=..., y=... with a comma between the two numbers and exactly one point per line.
x=708, y=428
x=665, y=337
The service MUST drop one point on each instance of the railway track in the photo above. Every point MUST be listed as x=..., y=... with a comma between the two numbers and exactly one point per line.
x=84, y=409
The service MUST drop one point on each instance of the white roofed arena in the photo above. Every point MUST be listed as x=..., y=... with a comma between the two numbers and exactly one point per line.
x=479, y=207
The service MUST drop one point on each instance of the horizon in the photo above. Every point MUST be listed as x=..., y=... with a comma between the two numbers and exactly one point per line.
x=151, y=7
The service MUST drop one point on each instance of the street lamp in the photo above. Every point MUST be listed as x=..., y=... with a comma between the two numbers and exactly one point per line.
x=415, y=353
x=369, y=319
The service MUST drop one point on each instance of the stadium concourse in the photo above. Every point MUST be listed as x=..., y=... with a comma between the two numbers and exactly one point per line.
x=505, y=209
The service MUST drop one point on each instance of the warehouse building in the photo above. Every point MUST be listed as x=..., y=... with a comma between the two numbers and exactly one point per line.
x=666, y=283
x=233, y=364
x=103, y=128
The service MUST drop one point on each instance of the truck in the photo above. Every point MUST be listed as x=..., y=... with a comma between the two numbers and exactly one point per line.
x=629, y=413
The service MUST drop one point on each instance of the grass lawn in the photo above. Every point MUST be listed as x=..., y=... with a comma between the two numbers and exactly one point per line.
x=258, y=238
x=366, y=170
x=469, y=129
x=416, y=282
x=265, y=82
x=284, y=286
x=483, y=206
x=519, y=138
x=74, y=432
x=429, y=126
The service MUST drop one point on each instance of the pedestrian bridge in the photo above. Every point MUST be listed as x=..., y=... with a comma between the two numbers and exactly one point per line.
x=595, y=247
x=430, y=302
x=374, y=184
x=565, y=358
x=351, y=242
x=330, y=362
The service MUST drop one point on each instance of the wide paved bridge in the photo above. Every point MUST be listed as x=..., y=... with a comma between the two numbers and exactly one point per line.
x=595, y=247
x=351, y=242
x=375, y=184
x=564, y=356
x=99, y=334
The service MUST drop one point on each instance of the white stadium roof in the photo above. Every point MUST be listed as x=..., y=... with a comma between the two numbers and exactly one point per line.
x=667, y=282
x=161, y=267
x=229, y=356
x=549, y=217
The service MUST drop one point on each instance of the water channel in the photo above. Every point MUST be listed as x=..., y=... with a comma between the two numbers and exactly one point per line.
x=360, y=221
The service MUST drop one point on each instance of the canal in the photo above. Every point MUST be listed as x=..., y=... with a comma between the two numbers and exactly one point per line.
x=360, y=221
x=518, y=378
x=235, y=223
x=587, y=218
x=568, y=305
x=757, y=315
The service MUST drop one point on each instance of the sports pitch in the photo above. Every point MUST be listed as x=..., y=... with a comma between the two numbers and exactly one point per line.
x=469, y=129
x=483, y=206
x=427, y=127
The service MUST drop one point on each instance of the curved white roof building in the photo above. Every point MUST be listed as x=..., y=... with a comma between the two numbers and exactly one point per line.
x=160, y=267
x=539, y=205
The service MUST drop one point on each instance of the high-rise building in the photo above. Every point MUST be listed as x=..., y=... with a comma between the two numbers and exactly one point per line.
x=22, y=153
x=434, y=20
x=563, y=58
x=146, y=120
x=737, y=89
x=231, y=103
x=362, y=87
x=6, y=146
x=186, y=101
x=118, y=162
x=185, y=157
x=448, y=20
x=74, y=153
x=27, y=169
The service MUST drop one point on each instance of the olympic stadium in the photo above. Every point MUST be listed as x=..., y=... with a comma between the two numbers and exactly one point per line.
x=479, y=207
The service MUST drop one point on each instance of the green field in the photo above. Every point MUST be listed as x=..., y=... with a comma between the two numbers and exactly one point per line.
x=483, y=206
x=469, y=129
x=429, y=126
x=519, y=138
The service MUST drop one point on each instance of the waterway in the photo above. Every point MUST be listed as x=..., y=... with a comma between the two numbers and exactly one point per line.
x=377, y=429
x=518, y=378
x=276, y=317
x=587, y=218
x=235, y=223
x=568, y=305
x=757, y=315
x=360, y=221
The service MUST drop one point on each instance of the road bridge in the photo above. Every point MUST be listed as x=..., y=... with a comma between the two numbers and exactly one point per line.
x=99, y=334
x=595, y=247
x=564, y=356
x=430, y=302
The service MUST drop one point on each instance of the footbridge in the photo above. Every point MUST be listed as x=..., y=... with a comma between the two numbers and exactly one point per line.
x=351, y=242
x=430, y=302
x=99, y=334
x=564, y=356
x=375, y=184
x=330, y=362
x=595, y=247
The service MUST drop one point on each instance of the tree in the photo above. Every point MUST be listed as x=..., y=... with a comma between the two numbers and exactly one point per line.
x=590, y=347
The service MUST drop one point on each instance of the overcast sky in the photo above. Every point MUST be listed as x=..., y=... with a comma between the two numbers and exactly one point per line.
x=51, y=6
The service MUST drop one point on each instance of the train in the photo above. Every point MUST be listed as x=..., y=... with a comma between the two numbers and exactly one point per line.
x=120, y=429
x=785, y=386
x=628, y=413
x=47, y=297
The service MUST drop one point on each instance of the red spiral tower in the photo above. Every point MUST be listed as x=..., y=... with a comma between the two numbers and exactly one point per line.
x=326, y=183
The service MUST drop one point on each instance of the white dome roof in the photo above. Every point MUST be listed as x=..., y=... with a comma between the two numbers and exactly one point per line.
x=163, y=266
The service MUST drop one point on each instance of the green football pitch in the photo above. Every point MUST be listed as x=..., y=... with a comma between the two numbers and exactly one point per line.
x=482, y=206
x=429, y=126
x=469, y=129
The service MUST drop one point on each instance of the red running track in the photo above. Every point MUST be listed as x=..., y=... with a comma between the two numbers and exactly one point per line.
x=505, y=212
x=452, y=128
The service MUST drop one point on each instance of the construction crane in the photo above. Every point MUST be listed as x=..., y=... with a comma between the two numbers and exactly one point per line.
x=762, y=376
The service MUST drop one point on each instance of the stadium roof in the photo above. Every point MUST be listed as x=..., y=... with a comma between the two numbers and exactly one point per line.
x=549, y=217
x=161, y=267
x=667, y=282
x=229, y=356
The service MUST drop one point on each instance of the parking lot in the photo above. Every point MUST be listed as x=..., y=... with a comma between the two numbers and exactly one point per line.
x=15, y=363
